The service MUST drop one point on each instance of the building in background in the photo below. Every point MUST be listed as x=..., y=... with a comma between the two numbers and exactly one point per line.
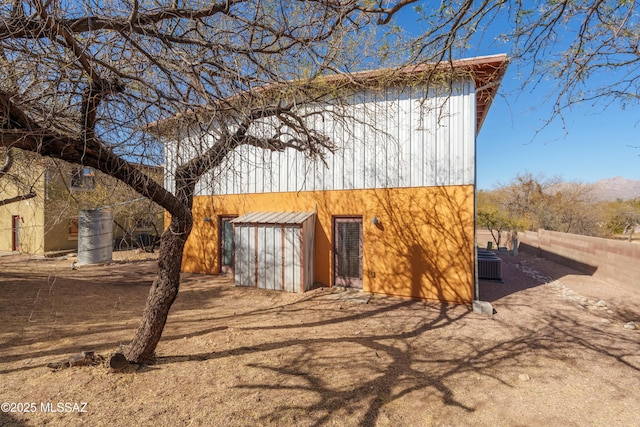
x=48, y=222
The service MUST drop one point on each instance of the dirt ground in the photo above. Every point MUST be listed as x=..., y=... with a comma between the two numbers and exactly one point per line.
x=555, y=353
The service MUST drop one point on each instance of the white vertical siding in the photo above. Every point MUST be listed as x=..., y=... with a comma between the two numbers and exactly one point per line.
x=442, y=124
x=291, y=263
x=396, y=137
x=170, y=165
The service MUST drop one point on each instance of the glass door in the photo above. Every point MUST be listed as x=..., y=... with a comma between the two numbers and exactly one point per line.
x=347, y=234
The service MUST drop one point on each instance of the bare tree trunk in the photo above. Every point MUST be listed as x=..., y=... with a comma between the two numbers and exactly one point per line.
x=162, y=294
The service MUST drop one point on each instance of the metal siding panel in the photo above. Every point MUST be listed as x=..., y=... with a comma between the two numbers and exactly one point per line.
x=230, y=176
x=463, y=159
x=283, y=171
x=269, y=258
x=392, y=164
x=308, y=237
x=404, y=138
x=388, y=160
x=246, y=171
x=296, y=267
x=303, y=258
x=265, y=175
x=359, y=141
x=457, y=139
x=251, y=256
x=294, y=174
x=470, y=133
x=289, y=260
x=442, y=140
x=372, y=137
x=274, y=244
x=461, y=139
x=399, y=154
x=392, y=142
x=273, y=173
x=454, y=138
x=416, y=161
x=239, y=249
x=263, y=252
x=338, y=157
x=312, y=171
x=305, y=174
x=323, y=181
x=240, y=165
x=348, y=153
x=429, y=137
x=252, y=177
x=224, y=179
x=238, y=168
x=277, y=258
x=289, y=184
x=291, y=181
x=170, y=164
x=242, y=255
x=377, y=147
x=318, y=170
x=237, y=171
x=282, y=277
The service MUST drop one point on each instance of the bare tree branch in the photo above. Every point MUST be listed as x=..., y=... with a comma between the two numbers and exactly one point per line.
x=20, y=198
x=20, y=26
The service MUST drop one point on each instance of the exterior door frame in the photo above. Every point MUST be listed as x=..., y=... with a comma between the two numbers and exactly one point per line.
x=223, y=220
x=353, y=281
x=15, y=232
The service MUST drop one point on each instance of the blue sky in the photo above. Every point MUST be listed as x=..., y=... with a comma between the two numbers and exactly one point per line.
x=593, y=145
x=593, y=142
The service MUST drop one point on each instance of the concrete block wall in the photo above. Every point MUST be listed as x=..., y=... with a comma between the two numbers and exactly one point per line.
x=483, y=236
x=609, y=259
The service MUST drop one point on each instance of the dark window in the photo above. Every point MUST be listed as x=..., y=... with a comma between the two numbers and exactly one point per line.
x=83, y=178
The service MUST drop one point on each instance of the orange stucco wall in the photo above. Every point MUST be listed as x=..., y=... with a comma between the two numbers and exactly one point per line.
x=421, y=248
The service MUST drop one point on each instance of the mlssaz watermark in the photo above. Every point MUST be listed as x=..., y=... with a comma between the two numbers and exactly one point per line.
x=26, y=407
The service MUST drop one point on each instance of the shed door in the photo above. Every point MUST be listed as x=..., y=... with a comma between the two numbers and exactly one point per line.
x=347, y=234
x=226, y=244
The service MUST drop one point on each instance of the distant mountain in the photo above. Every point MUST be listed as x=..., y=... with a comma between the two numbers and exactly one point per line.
x=610, y=189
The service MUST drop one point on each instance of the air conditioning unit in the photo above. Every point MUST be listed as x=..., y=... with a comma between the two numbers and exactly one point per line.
x=490, y=268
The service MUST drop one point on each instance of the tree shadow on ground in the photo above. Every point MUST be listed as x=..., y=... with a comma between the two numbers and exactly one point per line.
x=8, y=420
x=373, y=391
x=421, y=357
x=318, y=358
x=520, y=272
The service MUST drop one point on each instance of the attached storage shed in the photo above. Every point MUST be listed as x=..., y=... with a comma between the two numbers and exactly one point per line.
x=274, y=250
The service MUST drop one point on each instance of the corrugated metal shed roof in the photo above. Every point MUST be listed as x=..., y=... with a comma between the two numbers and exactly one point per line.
x=273, y=218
